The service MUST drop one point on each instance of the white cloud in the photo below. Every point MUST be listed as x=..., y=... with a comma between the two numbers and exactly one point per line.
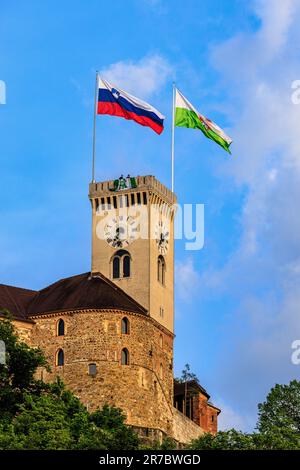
x=230, y=418
x=143, y=78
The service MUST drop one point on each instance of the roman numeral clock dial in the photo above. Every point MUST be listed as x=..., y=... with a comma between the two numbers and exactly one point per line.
x=120, y=231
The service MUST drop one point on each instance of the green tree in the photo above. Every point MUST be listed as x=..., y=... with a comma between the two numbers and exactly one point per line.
x=112, y=421
x=279, y=415
x=223, y=440
x=187, y=378
x=17, y=374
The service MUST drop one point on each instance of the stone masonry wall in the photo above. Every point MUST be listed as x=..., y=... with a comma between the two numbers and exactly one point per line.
x=143, y=389
x=184, y=429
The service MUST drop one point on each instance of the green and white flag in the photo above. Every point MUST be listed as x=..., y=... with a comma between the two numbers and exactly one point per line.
x=187, y=116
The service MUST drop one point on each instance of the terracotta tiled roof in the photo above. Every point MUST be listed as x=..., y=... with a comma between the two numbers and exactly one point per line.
x=16, y=300
x=72, y=293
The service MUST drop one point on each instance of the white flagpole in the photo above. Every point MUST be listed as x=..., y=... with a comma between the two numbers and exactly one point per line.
x=94, y=129
x=173, y=135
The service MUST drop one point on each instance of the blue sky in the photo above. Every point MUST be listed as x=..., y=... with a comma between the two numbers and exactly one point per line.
x=237, y=299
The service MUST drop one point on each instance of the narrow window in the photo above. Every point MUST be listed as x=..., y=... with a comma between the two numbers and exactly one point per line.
x=60, y=328
x=125, y=357
x=145, y=198
x=60, y=359
x=125, y=326
x=126, y=266
x=161, y=371
x=92, y=369
x=138, y=195
x=161, y=269
x=132, y=199
x=161, y=341
x=158, y=269
x=116, y=267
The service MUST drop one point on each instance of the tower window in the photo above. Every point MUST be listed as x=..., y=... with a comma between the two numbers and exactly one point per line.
x=125, y=357
x=116, y=267
x=126, y=266
x=161, y=269
x=161, y=371
x=60, y=358
x=60, y=328
x=92, y=369
x=121, y=264
x=125, y=326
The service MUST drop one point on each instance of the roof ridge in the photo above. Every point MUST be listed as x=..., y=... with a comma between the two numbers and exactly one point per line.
x=17, y=287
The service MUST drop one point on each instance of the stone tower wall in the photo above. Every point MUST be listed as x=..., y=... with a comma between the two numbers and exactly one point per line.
x=143, y=389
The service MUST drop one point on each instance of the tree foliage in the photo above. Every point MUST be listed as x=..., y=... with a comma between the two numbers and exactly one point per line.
x=278, y=425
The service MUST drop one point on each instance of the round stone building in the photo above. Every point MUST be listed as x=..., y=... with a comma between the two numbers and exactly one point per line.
x=106, y=348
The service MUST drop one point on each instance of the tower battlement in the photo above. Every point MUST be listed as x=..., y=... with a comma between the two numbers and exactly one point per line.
x=147, y=184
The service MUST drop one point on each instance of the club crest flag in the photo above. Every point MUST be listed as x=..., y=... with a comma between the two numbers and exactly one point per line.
x=187, y=116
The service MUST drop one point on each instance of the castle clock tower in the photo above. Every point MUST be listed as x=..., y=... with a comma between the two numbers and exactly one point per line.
x=133, y=241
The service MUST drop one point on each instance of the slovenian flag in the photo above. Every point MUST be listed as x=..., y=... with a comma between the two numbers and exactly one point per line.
x=116, y=102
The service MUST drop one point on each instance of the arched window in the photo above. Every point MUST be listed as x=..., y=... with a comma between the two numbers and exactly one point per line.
x=125, y=326
x=125, y=357
x=161, y=269
x=60, y=327
x=126, y=266
x=161, y=341
x=116, y=267
x=60, y=358
x=161, y=371
x=121, y=264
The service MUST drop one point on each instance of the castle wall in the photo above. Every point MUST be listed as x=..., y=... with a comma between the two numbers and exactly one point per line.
x=143, y=389
x=24, y=330
x=184, y=429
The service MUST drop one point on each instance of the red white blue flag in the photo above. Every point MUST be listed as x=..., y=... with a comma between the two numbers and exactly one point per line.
x=116, y=102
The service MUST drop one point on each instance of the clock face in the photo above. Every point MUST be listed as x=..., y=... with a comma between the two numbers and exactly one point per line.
x=162, y=236
x=120, y=231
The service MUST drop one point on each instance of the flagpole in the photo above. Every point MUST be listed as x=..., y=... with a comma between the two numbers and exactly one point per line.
x=173, y=136
x=94, y=128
